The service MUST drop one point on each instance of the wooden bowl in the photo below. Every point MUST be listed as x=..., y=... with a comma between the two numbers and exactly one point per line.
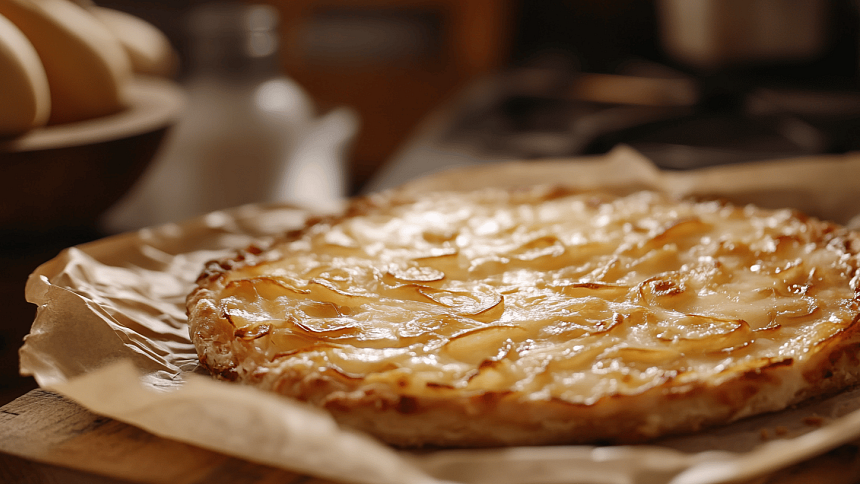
x=65, y=176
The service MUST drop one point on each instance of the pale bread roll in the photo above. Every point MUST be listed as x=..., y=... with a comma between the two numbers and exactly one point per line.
x=86, y=66
x=147, y=47
x=24, y=92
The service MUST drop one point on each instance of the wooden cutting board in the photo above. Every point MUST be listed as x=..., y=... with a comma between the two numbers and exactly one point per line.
x=48, y=439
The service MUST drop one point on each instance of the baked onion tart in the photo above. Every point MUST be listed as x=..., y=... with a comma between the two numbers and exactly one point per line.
x=538, y=316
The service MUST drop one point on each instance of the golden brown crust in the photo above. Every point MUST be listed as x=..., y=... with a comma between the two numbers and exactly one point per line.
x=538, y=316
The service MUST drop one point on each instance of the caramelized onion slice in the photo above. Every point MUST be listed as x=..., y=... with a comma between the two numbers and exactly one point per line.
x=608, y=291
x=485, y=307
x=480, y=344
x=415, y=274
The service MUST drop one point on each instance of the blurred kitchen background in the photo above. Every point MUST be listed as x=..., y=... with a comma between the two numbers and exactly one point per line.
x=310, y=101
x=687, y=82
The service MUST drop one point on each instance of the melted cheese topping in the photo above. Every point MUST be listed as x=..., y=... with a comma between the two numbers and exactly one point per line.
x=555, y=295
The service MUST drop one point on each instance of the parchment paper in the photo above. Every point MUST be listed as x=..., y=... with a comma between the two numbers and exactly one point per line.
x=110, y=334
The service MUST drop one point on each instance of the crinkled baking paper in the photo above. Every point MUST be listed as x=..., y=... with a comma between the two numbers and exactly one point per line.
x=110, y=333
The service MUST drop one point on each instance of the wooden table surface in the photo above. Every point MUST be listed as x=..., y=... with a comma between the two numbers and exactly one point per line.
x=48, y=439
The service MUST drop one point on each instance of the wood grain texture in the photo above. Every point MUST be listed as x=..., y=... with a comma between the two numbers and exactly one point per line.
x=48, y=439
